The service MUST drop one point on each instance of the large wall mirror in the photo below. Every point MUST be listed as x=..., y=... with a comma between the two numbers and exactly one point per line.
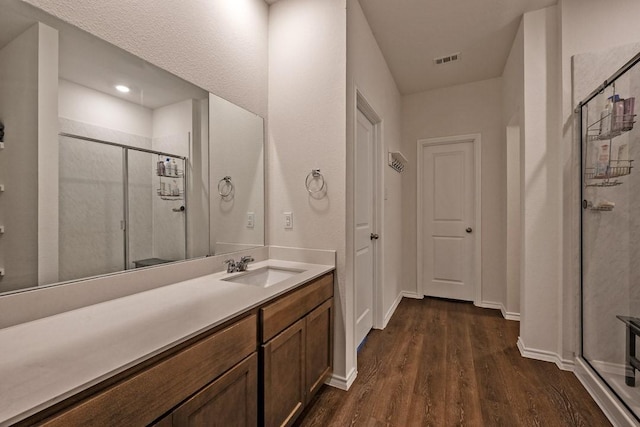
x=110, y=163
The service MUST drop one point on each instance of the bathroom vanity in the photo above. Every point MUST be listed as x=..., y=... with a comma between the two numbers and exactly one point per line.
x=210, y=348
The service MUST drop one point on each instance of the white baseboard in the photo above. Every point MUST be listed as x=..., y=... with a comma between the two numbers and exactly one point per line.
x=394, y=306
x=499, y=306
x=342, y=383
x=611, y=406
x=510, y=315
x=391, y=310
x=545, y=356
x=412, y=295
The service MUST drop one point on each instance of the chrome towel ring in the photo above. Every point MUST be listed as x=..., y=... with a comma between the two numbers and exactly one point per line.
x=313, y=176
x=225, y=187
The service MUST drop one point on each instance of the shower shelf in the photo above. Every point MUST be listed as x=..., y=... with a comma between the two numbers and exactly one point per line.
x=171, y=186
x=613, y=168
x=180, y=175
x=607, y=207
x=173, y=198
x=616, y=169
x=594, y=134
x=601, y=208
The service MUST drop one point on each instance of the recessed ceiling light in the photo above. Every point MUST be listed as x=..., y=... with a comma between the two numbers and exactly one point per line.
x=122, y=88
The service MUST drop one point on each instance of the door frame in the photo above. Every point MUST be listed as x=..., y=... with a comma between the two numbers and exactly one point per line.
x=364, y=106
x=476, y=140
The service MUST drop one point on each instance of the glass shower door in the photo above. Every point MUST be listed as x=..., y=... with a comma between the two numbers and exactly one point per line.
x=611, y=238
x=91, y=209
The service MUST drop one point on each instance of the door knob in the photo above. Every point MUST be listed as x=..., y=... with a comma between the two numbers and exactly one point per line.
x=469, y=230
x=374, y=236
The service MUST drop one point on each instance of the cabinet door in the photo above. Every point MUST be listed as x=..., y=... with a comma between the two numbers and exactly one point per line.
x=284, y=377
x=319, y=343
x=231, y=400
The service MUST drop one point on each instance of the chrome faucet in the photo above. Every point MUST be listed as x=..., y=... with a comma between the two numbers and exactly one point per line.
x=233, y=266
x=244, y=261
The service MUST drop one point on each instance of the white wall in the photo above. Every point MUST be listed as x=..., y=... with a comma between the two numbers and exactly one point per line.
x=178, y=129
x=514, y=222
x=48, y=168
x=89, y=106
x=541, y=177
x=19, y=113
x=237, y=151
x=368, y=73
x=513, y=123
x=220, y=46
x=307, y=130
x=173, y=128
x=459, y=110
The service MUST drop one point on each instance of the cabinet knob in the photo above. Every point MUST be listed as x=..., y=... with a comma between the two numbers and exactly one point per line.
x=374, y=236
x=469, y=230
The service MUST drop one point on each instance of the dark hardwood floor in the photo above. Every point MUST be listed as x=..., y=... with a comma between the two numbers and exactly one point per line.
x=445, y=363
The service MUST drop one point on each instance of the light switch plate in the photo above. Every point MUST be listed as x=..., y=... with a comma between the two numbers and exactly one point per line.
x=288, y=220
x=251, y=219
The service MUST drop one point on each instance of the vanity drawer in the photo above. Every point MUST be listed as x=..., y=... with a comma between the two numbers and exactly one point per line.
x=140, y=399
x=287, y=310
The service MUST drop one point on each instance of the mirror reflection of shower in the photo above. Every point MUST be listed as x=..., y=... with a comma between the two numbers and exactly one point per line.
x=118, y=208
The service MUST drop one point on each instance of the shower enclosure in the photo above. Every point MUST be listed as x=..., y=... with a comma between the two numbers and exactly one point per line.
x=610, y=233
x=121, y=207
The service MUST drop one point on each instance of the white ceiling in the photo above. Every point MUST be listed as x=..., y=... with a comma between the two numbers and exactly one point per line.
x=411, y=33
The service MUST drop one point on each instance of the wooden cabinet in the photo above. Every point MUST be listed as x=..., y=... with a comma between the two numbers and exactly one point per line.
x=219, y=378
x=319, y=347
x=284, y=375
x=230, y=401
x=140, y=398
x=297, y=359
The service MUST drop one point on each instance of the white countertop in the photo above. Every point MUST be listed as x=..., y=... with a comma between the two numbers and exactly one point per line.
x=45, y=361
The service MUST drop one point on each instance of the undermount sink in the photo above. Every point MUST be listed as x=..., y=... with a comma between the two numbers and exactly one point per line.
x=264, y=277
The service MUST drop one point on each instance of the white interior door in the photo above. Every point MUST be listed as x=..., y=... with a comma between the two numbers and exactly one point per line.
x=448, y=211
x=364, y=225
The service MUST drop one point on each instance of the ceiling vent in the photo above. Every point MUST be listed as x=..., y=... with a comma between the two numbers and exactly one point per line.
x=447, y=59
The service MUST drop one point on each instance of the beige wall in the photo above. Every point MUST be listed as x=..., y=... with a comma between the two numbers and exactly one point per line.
x=459, y=110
